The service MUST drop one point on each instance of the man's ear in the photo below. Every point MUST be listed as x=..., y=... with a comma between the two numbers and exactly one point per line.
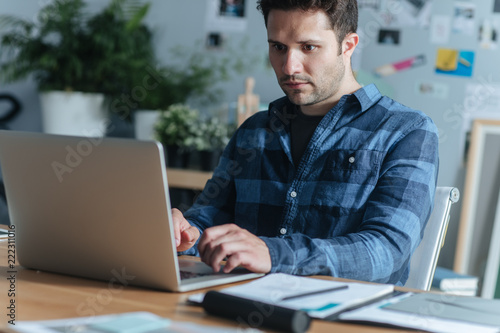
x=349, y=44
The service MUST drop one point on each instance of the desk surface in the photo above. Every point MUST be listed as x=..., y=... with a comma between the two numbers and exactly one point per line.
x=42, y=295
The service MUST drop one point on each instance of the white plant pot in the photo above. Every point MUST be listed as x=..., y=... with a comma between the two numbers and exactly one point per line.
x=144, y=121
x=74, y=113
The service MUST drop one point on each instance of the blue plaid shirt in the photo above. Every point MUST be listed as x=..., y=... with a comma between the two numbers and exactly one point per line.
x=355, y=206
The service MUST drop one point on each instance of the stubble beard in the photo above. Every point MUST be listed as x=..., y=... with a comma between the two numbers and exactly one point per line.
x=327, y=86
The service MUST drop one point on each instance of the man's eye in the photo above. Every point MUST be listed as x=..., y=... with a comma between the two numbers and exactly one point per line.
x=279, y=47
x=309, y=47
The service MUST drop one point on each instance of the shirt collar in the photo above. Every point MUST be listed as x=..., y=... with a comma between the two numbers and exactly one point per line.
x=278, y=105
x=367, y=96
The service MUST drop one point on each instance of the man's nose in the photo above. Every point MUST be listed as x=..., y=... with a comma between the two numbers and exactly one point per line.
x=292, y=63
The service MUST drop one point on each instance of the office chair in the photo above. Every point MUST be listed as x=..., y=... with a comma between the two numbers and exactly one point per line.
x=424, y=259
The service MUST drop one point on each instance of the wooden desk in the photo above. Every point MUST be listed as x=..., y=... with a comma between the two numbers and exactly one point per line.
x=42, y=295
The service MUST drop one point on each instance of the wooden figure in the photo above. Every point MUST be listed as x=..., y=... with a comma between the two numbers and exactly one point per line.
x=248, y=104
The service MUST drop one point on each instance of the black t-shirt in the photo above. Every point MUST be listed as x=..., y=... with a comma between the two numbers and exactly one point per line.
x=301, y=130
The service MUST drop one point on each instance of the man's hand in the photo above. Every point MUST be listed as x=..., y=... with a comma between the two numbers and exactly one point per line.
x=237, y=245
x=185, y=234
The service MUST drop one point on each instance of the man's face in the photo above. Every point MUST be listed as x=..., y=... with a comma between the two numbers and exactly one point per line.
x=304, y=53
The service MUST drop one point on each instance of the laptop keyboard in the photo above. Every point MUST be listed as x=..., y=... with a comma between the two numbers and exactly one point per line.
x=191, y=275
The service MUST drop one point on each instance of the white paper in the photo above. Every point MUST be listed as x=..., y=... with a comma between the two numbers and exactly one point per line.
x=272, y=288
x=440, y=29
x=376, y=314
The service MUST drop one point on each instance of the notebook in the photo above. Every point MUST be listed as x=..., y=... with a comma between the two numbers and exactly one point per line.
x=97, y=208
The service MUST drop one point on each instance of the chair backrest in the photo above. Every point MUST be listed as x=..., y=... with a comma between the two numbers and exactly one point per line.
x=424, y=259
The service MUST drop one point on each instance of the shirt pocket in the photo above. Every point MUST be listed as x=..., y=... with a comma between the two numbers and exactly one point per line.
x=346, y=181
x=356, y=167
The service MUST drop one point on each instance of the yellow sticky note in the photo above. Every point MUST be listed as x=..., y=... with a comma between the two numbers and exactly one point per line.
x=447, y=59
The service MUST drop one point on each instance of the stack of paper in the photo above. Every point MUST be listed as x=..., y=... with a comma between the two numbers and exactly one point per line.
x=432, y=313
x=319, y=298
x=451, y=282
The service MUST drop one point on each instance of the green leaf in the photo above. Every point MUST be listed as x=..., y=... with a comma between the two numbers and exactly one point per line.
x=137, y=18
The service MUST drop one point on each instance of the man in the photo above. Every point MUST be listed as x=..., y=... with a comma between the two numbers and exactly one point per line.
x=334, y=179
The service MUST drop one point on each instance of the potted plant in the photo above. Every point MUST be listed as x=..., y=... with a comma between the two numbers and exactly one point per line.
x=213, y=137
x=175, y=129
x=77, y=59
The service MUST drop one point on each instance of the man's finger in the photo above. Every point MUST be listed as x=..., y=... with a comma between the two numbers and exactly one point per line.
x=177, y=218
x=188, y=238
x=233, y=261
x=227, y=248
x=190, y=235
x=213, y=234
x=215, y=245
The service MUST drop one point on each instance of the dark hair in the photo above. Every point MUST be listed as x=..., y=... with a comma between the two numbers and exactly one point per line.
x=343, y=14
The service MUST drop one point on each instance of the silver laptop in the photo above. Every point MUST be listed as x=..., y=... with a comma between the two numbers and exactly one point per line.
x=97, y=208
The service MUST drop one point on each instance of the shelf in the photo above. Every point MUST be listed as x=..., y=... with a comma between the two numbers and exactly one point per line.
x=187, y=179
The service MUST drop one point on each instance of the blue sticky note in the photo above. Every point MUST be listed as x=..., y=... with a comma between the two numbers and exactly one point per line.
x=131, y=323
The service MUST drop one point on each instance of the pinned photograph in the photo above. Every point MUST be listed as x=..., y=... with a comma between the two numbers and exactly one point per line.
x=414, y=6
x=214, y=40
x=488, y=35
x=432, y=89
x=415, y=13
x=226, y=16
x=463, y=21
x=388, y=37
x=234, y=8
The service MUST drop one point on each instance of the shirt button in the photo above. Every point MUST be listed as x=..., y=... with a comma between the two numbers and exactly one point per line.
x=282, y=231
x=293, y=194
x=352, y=159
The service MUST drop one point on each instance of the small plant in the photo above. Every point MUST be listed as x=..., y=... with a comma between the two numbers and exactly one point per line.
x=214, y=135
x=180, y=125
x=177, y=126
